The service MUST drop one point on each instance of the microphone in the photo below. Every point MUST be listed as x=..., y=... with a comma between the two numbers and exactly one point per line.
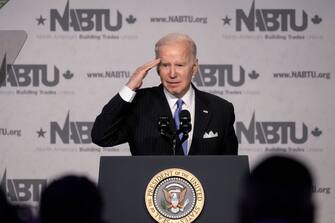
x=163, y=125
x=185, y=125
x=165, y=130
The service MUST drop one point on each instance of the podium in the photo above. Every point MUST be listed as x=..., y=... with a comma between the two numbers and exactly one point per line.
x=123, y=182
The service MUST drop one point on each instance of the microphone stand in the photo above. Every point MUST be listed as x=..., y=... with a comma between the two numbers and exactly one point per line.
x=165, y=130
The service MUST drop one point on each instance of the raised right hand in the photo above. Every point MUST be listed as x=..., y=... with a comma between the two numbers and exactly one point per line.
x=136, y=79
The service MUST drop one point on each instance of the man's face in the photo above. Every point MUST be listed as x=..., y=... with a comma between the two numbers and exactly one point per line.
x=177, y=67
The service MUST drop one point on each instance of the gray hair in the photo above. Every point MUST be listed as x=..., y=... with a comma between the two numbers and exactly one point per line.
x=176, y=37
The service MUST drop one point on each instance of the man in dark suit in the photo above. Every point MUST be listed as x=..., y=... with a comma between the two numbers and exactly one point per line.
x=132, y=115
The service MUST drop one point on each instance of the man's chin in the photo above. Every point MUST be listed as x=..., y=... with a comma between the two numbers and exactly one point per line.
x=175, y=92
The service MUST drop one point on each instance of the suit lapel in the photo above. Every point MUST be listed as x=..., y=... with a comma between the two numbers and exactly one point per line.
x=201, y=119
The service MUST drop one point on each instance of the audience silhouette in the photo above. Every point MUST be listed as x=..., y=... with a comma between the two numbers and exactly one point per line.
x=8, y=212
x=71, y=199
x=278, y=190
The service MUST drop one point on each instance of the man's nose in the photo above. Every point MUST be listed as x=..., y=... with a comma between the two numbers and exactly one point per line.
x=173, y=71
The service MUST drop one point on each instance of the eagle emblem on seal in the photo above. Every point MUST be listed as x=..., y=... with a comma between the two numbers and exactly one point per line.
x=175, y=198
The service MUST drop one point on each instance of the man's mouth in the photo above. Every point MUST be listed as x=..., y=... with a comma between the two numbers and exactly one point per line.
x=173, y=83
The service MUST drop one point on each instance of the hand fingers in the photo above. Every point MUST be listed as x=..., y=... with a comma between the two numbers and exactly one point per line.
x=136, y=79
x=146, y=67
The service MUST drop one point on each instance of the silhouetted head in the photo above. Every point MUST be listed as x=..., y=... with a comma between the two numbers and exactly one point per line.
x=71, y=199
x=279, y=189
x=8, y=212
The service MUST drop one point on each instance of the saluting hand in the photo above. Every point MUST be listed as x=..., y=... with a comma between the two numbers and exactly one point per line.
x=136, y=80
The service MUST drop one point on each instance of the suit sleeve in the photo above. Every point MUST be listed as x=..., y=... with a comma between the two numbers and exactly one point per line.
x=231, y=143
x=110, y=126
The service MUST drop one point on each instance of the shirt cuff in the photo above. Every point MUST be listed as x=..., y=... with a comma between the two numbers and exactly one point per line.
x=127, y=94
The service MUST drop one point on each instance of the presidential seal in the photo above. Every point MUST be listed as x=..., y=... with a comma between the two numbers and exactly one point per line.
x=174, y=196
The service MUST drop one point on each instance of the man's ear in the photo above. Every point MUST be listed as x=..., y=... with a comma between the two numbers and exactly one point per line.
x=157, y=69
x=195, y=67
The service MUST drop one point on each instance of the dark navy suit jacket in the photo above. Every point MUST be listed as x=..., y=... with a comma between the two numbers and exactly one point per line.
x=137, y=124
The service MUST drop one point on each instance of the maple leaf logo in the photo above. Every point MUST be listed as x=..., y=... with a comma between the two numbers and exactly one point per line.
x=68, y=74
x=131, y=19
x=316, y=19
x=253, y=75
x=316, y=132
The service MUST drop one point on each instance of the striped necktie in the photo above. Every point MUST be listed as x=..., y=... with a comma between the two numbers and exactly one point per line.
x=179, y=104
